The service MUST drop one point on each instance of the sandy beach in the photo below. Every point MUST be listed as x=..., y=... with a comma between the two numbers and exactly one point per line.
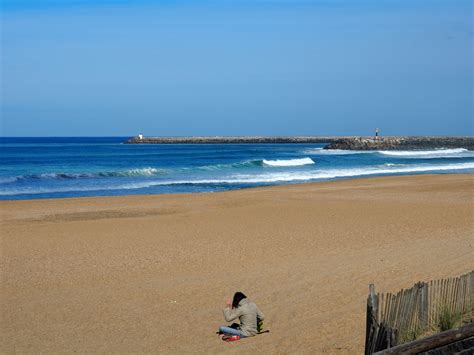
x=152, y=273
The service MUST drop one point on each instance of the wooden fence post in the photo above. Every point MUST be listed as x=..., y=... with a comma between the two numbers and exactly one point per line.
x=373, y=300
x=471, y=293
x=372, y=325
x=423, y=310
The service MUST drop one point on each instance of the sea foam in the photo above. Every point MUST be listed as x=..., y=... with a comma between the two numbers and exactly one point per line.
x=69, y=176
x=265, y=178
x=424, y=154
x=436, y=153
x=322, y=151
x=289, y=162
x=328, y=174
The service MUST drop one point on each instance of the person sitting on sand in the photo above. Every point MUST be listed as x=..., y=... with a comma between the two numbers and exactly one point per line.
x=248, y=313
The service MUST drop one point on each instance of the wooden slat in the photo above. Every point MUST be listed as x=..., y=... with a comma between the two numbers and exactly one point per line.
x=395, y=309
x=455, y=305
x=465, y=293
x=449, y=295
x=451, y=299
x=470, y=292
x=424, y=307
x=401, y=305
x=387, y=306
x=408, y=309
x=430, y=303
x=435, y=300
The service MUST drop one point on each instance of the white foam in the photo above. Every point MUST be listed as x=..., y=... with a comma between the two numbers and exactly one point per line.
x=45, y=190
x=142, y=172
x=436, y=153
x=393, y=164
x=289, y=162
x=259, y=178
x=323, y=174
x=7, y=179
x=322, y=151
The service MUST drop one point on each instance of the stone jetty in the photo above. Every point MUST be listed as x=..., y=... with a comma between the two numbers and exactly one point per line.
x=230, y=140
x=348, y=143
x=401, y=143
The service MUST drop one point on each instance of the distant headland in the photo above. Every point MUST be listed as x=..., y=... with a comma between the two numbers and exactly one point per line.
x=333, y=142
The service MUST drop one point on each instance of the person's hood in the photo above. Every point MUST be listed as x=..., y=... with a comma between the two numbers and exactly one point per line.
x=244, y=301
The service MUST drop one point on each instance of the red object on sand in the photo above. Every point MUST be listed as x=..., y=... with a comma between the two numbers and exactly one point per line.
x=231, y=337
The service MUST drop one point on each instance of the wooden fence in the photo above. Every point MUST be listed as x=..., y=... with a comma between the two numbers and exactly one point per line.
x=454, y=341
x=394, y=319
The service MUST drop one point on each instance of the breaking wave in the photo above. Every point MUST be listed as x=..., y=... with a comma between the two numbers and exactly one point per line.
x=418, y=154
x=322, y=151
x=137, y=172
x=7, y=179
x=323, y=174
x=255, y=163
x=436, y=153
x=151, y=172
x=70, y=176
x=393, y=164
x=263, y=178
x=239, y=165
x=289, y=162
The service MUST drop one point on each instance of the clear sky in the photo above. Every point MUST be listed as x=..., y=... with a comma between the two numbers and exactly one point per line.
x=236, y=67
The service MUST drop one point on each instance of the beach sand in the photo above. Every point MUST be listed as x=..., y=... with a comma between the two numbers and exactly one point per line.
x=152, y=273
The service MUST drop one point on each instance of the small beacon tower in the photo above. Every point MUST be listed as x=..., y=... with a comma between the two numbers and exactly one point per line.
x=140, y=136
x=376, y=138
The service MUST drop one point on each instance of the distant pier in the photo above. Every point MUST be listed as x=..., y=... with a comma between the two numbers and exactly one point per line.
x=333, y=142
x=230, y=140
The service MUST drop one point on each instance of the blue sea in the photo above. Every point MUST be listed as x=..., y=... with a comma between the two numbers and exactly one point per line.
x=35, y=168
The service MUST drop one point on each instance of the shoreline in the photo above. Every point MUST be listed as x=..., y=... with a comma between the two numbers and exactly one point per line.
x=234, y=189
x=149, y=273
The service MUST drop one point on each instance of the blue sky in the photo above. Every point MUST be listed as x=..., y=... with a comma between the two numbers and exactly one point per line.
x=266, y=67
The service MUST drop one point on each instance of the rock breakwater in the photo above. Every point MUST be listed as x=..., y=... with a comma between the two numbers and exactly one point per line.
x=401, y=143
x=230, y=140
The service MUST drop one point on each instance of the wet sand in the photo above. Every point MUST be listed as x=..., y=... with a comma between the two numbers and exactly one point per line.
x=151, y=273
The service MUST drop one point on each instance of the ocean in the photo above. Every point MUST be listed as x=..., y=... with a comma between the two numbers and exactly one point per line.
x=36, y=168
